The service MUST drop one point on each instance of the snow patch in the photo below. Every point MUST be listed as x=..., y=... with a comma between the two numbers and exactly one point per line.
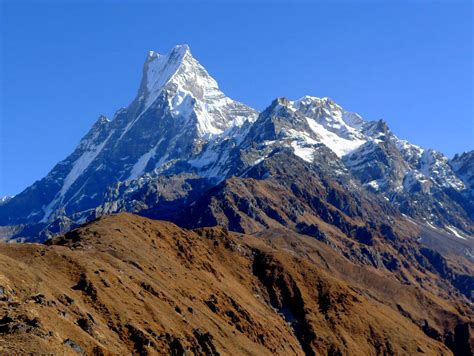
x=339, y=145
x=139, y=167
x=211, y=164
x=455, y=232
x=48, y=209
x=303, y=150
x=81, y=164
x=374, y=184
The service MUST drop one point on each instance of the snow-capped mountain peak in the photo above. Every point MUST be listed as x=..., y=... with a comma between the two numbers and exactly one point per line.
x=329, y=114
x=178, y=110
x=191, y=92
x=159, y=70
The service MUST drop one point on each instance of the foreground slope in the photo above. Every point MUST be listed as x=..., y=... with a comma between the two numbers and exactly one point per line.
x=127, y=284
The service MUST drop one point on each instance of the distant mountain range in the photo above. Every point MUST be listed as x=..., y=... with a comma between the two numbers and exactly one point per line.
x=181, y=136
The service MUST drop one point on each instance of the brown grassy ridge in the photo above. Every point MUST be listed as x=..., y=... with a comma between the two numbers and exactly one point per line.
x=125, y=284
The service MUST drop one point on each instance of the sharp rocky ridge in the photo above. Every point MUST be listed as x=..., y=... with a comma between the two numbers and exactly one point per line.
x=182, y=137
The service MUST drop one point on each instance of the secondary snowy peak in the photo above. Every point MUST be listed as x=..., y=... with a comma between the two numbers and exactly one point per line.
x=191, y=92
x=331, y=116
x=335, y=127
x=309, y=121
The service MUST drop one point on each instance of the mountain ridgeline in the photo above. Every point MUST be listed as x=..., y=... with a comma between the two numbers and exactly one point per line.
x=181, y=136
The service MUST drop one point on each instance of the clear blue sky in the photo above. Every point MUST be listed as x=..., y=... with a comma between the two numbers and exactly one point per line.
x=410, y=63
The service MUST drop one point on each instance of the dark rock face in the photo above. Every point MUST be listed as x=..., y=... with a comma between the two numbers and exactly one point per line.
x=421, y=183
x=463, y=165
x=286, y=297
x=283, y=188
x=160, y=197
